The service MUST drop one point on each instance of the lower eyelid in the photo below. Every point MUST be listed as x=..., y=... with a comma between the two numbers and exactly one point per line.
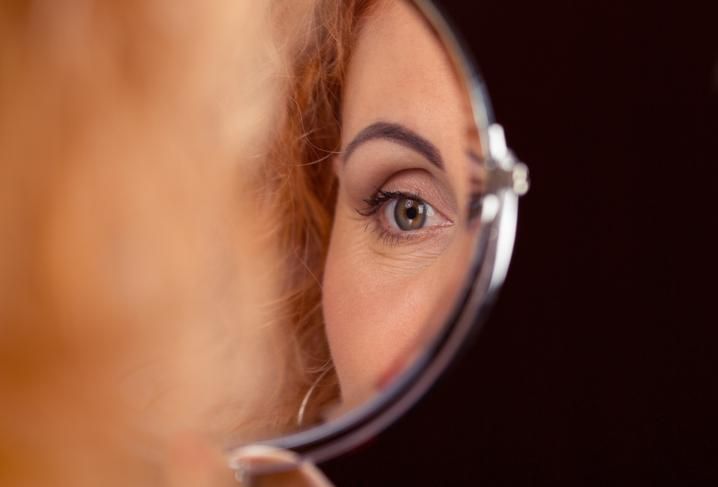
x=393, y=238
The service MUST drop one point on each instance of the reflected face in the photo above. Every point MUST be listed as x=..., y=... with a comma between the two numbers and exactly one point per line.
x=402, y=182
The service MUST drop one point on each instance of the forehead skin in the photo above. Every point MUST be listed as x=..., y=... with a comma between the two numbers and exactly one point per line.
x=399, y=72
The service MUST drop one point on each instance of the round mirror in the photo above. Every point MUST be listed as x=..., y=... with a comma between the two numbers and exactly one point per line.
x=398, y=198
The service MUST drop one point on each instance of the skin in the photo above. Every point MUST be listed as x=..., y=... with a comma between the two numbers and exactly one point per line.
x=386, y=289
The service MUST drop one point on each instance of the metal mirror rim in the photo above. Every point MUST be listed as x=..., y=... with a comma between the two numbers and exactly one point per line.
x=487, y=271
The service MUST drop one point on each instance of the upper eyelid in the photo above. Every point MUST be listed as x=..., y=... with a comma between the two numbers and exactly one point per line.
x=428, y=186
x=402, y=171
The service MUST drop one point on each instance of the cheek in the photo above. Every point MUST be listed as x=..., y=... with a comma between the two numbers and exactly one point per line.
x=373, y=316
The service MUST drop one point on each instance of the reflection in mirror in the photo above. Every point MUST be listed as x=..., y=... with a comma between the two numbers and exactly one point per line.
x=373, y=175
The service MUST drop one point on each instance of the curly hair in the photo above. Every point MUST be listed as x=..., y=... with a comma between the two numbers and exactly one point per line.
x=304, y=186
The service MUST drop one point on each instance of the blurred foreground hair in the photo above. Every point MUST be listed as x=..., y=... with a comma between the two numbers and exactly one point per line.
x=135, y=283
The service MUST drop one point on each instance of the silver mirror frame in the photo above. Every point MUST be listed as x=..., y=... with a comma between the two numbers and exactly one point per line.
x=508, y=179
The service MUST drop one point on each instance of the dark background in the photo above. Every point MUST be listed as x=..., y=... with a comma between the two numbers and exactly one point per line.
x=597, y=365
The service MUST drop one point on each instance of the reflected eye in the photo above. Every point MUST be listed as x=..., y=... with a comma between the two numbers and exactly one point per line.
x=399, y=216
x=408, y=213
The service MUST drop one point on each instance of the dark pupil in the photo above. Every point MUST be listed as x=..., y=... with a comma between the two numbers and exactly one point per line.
x=410, y=214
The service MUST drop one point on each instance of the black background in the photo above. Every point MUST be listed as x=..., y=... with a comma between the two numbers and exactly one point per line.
x=597, y=363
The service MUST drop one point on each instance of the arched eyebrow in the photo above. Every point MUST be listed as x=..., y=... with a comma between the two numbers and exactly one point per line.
x=399, y=134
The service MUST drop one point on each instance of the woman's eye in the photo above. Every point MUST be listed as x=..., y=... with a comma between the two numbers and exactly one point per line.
x=407, y=213
x=398, y=216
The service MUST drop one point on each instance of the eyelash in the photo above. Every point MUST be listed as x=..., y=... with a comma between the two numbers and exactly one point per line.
x=376, y=203
x=380, y=198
